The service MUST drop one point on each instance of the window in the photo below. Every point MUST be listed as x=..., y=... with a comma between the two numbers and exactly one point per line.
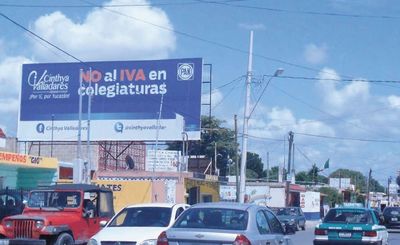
x=178, y=212
x=143, y=217
x=352, y=216
x=262, y=223
x=213, y=218
x=274, y=223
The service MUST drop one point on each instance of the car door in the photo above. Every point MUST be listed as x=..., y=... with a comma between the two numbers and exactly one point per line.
x=276, y=229
x=265, y=237
x=302, y=218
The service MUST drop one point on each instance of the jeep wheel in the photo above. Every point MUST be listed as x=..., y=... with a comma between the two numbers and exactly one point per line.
x=64, y=239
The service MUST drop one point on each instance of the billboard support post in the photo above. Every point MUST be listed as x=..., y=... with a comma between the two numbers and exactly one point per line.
x=78, y=172
x=88, y=165
x=158, y=130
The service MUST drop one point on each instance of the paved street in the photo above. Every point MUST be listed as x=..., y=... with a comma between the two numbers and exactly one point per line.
x=306, y=237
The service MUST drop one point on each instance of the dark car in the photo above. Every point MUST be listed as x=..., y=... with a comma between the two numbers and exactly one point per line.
x=292, y=216
x=12, y=202
x=392, y=217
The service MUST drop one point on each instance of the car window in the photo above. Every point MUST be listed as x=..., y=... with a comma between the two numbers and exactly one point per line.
x=143, y=217
x=213, y=218
x=274, y=223
x=262, y=223
x=178, y=212
x=352, y=216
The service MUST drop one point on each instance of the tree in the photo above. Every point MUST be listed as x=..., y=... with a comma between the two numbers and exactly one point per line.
x=311, y=176
x=358, y=179
x=213, y=134
x=332, y=196
x=273, y=173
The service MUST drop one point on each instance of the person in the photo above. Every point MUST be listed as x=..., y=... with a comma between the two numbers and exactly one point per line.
x=88, y=208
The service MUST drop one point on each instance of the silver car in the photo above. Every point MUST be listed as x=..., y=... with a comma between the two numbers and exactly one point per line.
x=225, y=223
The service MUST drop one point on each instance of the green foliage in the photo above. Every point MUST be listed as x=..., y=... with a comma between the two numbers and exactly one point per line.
x=333, y=197
x=358, y=179
x=224, y=138
x=311, y=177
x=273, y=173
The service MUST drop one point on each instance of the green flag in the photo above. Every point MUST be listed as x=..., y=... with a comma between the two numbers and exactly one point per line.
x=326, y=165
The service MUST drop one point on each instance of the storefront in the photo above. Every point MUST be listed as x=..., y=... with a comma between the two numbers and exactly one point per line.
x=26, y=171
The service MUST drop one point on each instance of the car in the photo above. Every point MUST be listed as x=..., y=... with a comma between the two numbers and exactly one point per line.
x=138, y=224
x=62, y=214
x=347, y=225
x=225, y=223
x=292, y=216
x=392, y=217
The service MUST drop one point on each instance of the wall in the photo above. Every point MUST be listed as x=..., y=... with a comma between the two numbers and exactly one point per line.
x=310, y=204
x=277, y=197
x=127, y=192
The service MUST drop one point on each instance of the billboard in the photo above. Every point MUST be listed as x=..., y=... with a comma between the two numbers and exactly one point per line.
x=164, y=161
x=130, y=100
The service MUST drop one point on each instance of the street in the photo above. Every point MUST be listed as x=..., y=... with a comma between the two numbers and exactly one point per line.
x=306, y=237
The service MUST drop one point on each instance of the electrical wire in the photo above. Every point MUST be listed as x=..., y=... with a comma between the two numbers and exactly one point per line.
x=287, y=11
x=349, y=139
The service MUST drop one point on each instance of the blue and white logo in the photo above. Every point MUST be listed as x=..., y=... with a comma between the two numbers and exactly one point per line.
x=119, y=127
x=40, y=128
x=185, y=71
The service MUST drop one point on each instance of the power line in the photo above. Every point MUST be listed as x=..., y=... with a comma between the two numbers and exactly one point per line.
x=287, y=11
x=304, y=155
x=350, y=139
x=41, y=38
x=176, y=3
x=336, y=79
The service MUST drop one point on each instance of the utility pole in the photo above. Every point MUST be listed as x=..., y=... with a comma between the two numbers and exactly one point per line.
x=246, y=122
x=388, y=192
x=237, y=162
x=215, y=158
x=368, y=184
x=88, y=165
x=268, y=167
x=290, y=153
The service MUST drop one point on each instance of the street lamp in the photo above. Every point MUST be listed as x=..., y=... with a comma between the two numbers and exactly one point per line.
x=247, y=118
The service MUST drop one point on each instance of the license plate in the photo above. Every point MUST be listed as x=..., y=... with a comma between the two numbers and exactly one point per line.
x=394, y=219
x=345, y=234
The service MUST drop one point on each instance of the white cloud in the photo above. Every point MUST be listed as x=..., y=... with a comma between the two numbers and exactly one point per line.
x=10, y=77
x=394, y=101
x=108, y=34
x=340, y=99
x=253, y=27
x=315, y=54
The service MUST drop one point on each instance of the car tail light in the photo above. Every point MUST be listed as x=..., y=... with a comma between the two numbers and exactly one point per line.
x=320, y=232
x=241, y=240
x=162, y=239
x=370, y=233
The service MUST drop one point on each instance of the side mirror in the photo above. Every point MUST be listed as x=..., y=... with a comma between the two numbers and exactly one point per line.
x=103, y=223
x=289, y=229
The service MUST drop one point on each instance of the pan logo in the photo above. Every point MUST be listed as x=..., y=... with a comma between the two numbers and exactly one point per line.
x=185, y=71
x=40, y=128
x=119, y=127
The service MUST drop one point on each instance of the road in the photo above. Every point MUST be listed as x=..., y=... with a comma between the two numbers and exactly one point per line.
x=306, y=237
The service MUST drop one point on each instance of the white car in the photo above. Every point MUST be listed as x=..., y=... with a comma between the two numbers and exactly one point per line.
x=138, y=224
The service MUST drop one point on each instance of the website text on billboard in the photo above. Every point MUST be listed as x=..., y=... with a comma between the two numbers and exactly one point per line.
x=126, y=97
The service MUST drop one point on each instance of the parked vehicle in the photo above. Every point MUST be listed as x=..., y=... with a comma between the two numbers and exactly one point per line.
x=60, y=215
x=291, y=216
x=351, y=226
x=225, y=223
x=12, y=202
x=392, y=217
x=138, y=224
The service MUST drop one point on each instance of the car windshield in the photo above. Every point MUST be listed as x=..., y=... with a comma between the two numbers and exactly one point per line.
x=213, y=218
x=286, y=211
x=54, y=199
x=142, y=217
x=352, y=216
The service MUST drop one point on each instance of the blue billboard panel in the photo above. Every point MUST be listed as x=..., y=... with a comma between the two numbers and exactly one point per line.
x=130, y=100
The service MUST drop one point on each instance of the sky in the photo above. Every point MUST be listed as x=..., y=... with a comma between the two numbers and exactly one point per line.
x=339, y=92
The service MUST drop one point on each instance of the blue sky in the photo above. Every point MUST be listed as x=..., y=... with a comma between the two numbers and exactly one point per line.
x=356, y=41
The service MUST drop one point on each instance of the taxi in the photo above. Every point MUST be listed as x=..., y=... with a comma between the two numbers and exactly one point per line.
x=351, y=226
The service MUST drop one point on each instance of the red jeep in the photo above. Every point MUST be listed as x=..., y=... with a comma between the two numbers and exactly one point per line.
x=60, y=215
